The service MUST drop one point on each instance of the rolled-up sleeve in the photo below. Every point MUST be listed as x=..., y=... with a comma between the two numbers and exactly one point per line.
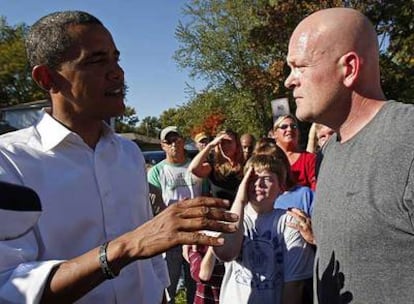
x=22, y=279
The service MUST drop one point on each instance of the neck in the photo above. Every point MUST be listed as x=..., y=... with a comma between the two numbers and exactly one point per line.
x=262, y=207
x=89, y=130
x=176, y=159
x=361, y=113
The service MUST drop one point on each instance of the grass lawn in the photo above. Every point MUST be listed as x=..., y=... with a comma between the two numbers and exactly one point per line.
x=180, y=297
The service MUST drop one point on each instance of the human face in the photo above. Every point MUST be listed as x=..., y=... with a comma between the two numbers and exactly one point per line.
x=264, y=187
x=173, y=145
x=323, y=134
x=90, y=80
x=314, y=76
x=286, y=132
x=247, y=147
x=228, y=146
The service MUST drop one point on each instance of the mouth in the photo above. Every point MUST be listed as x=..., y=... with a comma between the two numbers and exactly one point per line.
x=119, y=91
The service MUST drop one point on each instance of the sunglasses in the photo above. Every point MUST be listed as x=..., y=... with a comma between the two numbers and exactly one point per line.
x=171, y=140
x=293, y=126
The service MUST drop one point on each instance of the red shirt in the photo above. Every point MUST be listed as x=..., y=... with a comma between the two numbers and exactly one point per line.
x=303, y=170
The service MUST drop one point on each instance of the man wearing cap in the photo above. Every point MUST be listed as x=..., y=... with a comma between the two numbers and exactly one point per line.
x=176, y=183
x=201, y=140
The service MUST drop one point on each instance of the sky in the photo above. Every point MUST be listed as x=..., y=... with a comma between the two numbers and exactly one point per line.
x=143, y=31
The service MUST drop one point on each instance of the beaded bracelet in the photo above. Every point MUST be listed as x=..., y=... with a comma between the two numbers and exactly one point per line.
x=103, y=260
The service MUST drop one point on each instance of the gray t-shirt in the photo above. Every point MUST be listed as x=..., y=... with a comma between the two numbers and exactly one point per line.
x=363, y=216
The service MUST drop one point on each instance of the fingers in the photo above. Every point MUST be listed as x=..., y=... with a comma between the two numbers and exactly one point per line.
x=209, y=213
x=203, y=201
x=200, y=239
x=299, y=215
x=302, y=223
x=202, y=223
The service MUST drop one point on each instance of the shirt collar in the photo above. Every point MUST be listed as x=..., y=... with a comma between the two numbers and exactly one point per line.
x=52, y=132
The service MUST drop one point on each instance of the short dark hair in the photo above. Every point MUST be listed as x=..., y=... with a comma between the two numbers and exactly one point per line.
x=49, y=38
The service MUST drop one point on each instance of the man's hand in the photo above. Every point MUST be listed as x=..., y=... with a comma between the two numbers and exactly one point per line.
x=182, y=223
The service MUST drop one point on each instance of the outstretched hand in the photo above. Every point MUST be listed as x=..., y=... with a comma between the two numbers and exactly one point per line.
x=303, y=224
x=182, y=223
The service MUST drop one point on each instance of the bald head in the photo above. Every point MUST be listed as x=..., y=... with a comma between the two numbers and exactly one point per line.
x=247, y=142
x=333, y=55
x=339, y=30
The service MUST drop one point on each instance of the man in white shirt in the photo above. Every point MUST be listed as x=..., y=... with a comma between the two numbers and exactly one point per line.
x=96, y=222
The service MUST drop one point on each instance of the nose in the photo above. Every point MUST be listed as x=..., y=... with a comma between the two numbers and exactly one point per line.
x=289, y=81
x=116, y=72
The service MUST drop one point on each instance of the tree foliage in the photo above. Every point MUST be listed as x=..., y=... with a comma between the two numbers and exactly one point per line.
x=239, y=47
x=127, y=122
x=149, y=126
x=16, y=84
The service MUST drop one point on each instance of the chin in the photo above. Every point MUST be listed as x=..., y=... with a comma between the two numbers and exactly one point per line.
x=303, y=116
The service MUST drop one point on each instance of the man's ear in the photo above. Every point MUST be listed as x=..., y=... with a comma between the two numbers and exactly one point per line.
x=43, y=77
x=351, y=65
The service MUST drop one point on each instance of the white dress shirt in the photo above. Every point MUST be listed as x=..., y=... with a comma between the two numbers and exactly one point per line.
x=88, y=197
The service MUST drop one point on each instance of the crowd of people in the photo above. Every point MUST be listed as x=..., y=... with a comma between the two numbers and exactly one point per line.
x=246, y=220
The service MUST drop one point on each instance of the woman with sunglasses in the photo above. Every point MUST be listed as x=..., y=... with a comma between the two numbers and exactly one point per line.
x=302, y=163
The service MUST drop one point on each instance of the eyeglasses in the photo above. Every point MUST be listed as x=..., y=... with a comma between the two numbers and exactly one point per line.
x=293, y=126
x=171, y=140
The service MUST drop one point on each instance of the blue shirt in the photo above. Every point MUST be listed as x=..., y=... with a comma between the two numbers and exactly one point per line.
x=300, y=197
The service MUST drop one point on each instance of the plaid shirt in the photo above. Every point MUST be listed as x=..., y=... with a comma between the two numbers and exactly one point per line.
x=208, y=292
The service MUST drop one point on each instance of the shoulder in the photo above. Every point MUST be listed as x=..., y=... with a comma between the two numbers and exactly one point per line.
x=18, y=138
x=301, y=190
x=308, y=156
x=396, y=112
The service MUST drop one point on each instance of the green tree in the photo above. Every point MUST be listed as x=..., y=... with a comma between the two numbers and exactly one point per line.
x=16, y=84
x=239, y=47
x=394, y=22
x=127, y=122
x=149, y=126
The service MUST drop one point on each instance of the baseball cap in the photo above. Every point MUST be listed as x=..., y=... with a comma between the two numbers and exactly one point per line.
x=169, y=129
x=200, y=136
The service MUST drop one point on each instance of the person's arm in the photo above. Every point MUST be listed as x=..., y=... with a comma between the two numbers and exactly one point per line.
x=207, y=265
x=177, y=224
x=311, y=170
x=233, y=242
x=312, y=140
x=199, y=165
x=155, y=198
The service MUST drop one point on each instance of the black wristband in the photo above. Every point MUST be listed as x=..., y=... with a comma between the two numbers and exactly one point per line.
x=103, y=261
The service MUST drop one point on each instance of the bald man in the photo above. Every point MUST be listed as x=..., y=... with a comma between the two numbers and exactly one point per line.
x=364, y=210
x=247, y=142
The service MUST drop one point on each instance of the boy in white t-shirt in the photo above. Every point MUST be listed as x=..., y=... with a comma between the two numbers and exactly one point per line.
x=266, y=261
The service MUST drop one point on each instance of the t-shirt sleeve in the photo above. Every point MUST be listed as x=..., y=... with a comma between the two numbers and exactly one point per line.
x=153, y=176
x=298, y=255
